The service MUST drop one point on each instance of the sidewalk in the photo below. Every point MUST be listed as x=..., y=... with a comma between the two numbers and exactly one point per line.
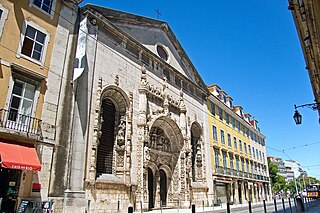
x=215, y=209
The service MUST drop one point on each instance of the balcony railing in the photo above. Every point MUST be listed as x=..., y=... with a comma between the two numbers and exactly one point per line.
x=19, y=122
x=239, y=174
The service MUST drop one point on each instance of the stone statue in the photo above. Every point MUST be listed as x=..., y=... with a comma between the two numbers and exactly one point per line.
x=121, y=131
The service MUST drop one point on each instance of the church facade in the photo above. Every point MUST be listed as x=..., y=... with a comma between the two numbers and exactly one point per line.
x=139, y=134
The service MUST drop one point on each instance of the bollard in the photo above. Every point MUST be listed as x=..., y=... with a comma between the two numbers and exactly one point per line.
x=141, y=206
x=283, y=206
x=295, y=204
x=250, y=209
x=193, y=208
x=290, y=205
x=228, y=207
x=118, y=209
x=130, y=209
x=275, y=205
x=264, y=206
x=203, y=205
x=300, y=204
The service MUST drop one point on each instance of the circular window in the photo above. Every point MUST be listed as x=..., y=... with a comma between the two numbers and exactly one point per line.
x=162, y=52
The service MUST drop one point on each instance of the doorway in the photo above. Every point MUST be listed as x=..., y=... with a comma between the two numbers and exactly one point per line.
x=150, y=189
x=163, y=187
x=10, y=181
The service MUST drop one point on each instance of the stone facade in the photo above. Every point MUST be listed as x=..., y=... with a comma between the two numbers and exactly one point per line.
x=140, y=118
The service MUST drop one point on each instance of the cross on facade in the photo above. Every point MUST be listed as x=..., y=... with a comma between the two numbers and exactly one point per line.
x=158, y=13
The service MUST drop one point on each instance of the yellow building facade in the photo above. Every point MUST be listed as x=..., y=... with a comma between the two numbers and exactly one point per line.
x=238, y=153
x=29, y=44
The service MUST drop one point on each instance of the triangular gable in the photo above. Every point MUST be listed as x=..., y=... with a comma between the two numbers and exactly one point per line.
x=152, y=33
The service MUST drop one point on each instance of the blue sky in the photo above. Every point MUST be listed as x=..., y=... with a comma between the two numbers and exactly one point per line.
x=252, y=51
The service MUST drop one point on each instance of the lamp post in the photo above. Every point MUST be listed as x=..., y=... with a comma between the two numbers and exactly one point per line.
x=298, y=117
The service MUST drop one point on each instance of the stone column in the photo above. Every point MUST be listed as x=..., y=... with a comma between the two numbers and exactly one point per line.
x=142, y=121
x=236, y=193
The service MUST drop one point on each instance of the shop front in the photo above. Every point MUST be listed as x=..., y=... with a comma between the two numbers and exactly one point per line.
x=15, y=162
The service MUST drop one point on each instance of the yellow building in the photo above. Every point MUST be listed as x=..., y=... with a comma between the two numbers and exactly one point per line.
x=306, y=16
x=238, y=152
x=29, y=45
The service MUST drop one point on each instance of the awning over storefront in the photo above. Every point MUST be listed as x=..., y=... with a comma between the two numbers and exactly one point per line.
x=19, y=157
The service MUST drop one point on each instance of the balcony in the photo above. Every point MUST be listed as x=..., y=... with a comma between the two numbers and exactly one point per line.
x=15, y=123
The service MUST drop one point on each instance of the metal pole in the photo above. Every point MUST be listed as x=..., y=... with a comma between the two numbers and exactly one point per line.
x=283, y=206
x=141, y=206
x=275, y=205
x=193, y=208
x=203, y=205
x=295, y=203
x=250, y=210
x=290, y=205
x=130, y=209
x=264, y=206
x=228, y=207
x=118, y=209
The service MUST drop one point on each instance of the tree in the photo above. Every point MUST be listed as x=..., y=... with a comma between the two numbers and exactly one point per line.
x=278, y=182
x=273, y=172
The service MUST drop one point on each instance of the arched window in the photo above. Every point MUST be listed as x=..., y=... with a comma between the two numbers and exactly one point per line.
x=106, y=144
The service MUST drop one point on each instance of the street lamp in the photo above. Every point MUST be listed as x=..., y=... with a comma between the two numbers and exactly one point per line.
x=298, y=117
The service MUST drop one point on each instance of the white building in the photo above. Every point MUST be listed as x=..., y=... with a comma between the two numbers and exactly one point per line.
x=139, y=132
x=295, y=167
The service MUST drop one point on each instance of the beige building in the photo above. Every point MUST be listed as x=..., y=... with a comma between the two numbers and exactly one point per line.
x=306, y=15
x=32, y=35
x=238, y=152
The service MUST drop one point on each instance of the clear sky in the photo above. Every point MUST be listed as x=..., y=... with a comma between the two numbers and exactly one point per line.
x=252, y=51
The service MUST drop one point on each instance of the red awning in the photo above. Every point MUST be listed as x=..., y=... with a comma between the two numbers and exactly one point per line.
x=19, y=157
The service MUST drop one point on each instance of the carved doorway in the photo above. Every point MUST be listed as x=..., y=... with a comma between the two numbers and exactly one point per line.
x=163, y=187
x=150, y=189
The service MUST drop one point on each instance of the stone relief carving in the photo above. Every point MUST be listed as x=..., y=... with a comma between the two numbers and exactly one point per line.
x=158, y=140
x=121, y=131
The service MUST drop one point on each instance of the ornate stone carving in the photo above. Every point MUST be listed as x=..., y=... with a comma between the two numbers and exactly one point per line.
x=116, y=80
x=158, y=140
x=121, y=131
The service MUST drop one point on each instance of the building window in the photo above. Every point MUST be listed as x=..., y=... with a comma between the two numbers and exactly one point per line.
x=247, y=163
x=216, y=158
x=21, y=105
x=233, y=122
x=235, y=145
x=237, y=163
x=253, y=153
x=238, y=126
x=249, y=149
x=44, y=5
x=224, y=158
x=162, y=52
x=34, y=42
x=231, y=162
x=212, y=108
x=227, y=118
x=260, y=154
x=242, y=164
x=220, y=113
x=229, y=140
x=257, y=153
x=3, y=18
x=222, y=136
x=167, y=74
x=240, y=145
x=214, y=133
x=245, y=147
